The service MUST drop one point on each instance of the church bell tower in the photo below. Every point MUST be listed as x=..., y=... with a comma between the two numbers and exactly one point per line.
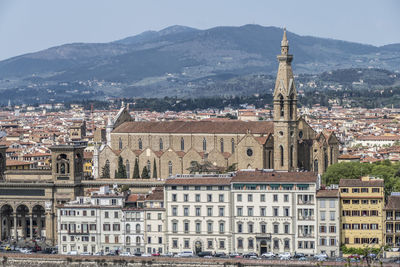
x=285, y=112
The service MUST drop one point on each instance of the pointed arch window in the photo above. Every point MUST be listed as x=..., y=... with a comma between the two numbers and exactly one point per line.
x=325, y=161
x=140, y=144
x=120, y=143
x=128, y=168
x=331, y=154
x=161, y=144
x=281, y=106
x=169, y=168
x=182, y=144
x=282, y=157
x=291, y=107
x=269, y=159
x=291, y=156
x=233, y=145
x=221, y=141
x=316, y=165
x=204, y=144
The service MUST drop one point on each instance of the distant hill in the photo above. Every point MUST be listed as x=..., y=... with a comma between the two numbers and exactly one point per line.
x=178, y=61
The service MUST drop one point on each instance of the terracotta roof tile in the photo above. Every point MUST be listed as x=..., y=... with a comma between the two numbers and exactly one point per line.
x=274, y=176
x=348, y=156
x=359, y=182
x=157, y=194
x=199, y=181
x=17, y=163
x=230, y=126
x=393, y=203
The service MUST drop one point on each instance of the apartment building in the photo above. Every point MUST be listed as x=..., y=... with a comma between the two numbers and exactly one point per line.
x=392, y=222
x=198, y=212
x=91, y=224
x=274, y=211
x=134, y=223
x=155, y=221
x=249, y=211
x=328, y=229
x=361, y=205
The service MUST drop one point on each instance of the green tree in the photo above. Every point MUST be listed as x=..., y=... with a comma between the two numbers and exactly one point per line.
x=124, y=188
x=105, y=171
x=136, y=170
x=345, y=170
x=232, y=168
x=145, y=173
x=121, y=173
x=385, y=170
x=154, y=169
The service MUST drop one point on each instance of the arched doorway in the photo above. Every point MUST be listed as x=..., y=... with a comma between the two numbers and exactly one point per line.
x=23, y=221
x=39, y=220
x=263, y=246
x=198, y=247
x=6, y=215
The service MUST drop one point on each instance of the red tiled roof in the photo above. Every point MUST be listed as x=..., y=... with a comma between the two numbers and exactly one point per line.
x=360, y=183
x=380, y=138
x=16, y=163
x=199, y=181
x=229, y=126
x=393, y=203
x=274, y=176
x=157, y=194
x=348, y=156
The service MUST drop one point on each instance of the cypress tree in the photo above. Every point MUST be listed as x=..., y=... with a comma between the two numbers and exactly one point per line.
x=121, y=173
x=154, y=169
x=136, y=170
x=105, y=171
x=145, y=173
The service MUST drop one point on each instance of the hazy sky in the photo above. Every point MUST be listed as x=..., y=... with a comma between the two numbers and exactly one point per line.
x=28, y=26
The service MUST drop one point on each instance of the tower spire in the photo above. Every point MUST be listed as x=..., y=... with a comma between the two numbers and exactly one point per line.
x=284, y=44
x=285, y=112
x=284, y=39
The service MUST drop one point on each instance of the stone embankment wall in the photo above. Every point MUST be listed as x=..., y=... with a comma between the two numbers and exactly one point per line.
x=42, y=260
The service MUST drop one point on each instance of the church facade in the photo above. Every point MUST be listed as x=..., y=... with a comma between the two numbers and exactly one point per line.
x=167, y=148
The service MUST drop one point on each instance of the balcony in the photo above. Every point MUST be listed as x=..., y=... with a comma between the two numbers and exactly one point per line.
x=263, y=235
x=306, y=235
x=303, y=202
x=305, y=218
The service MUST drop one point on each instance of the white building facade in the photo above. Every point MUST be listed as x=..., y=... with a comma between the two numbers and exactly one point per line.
x=92, y=224
x=198, y=212
x=328, y=222
x=273, y=212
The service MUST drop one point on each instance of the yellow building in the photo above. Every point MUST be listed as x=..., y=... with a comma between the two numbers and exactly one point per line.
x=361, y=204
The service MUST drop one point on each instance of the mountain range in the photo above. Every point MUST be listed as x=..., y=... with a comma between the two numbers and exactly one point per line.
x=177, y=61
